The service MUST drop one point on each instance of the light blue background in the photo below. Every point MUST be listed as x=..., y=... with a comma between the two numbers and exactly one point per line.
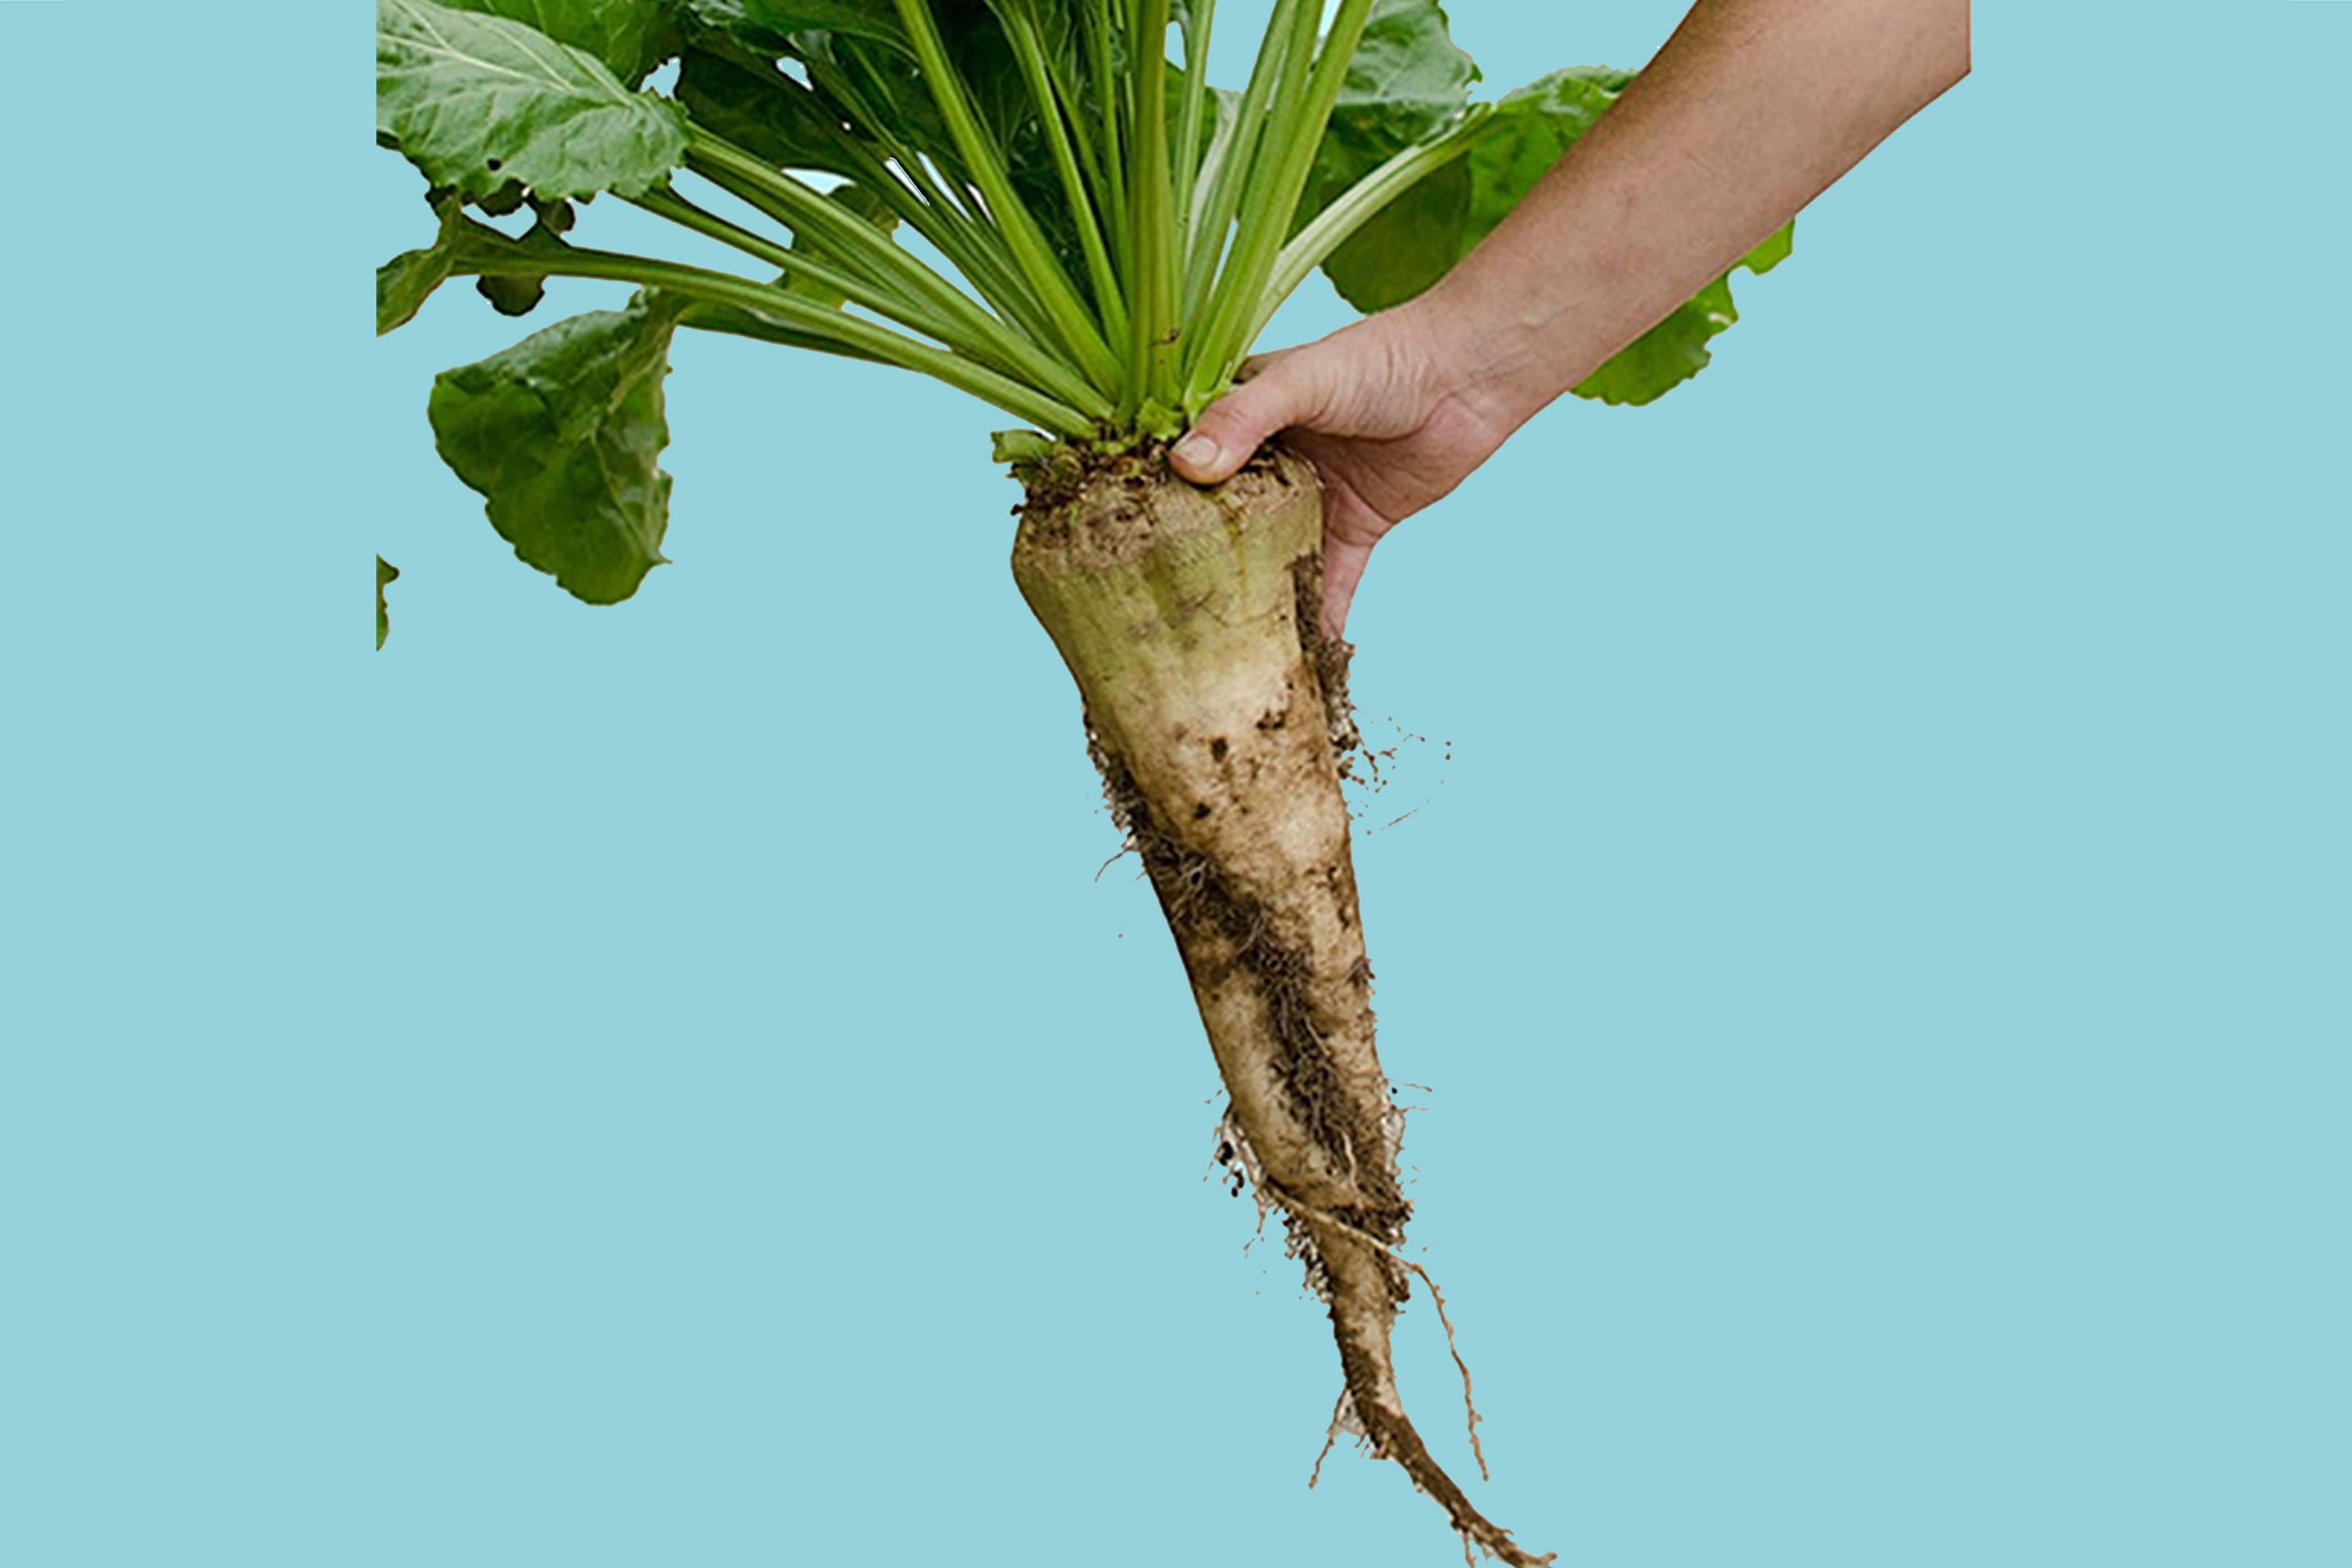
x=663, y=1085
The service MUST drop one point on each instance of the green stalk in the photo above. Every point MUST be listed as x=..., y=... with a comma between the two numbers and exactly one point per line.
x=739, y=323
x=1071, y=95
x=799, y=206
x=1206, y=242
x=1152, y=365
x=943, y=217
x=971, y=332
x=1276, y=186
x=850, y=81
x=973, y=250
x=859, y=286
x=1290, y=89
x=1200, y=25
x=1107, y=96
x=1072, y=323
x=977, y=250
x=1212, y=159
x=1359, y=206
x=845, y=332
x=852, y=242
x=1020, y=27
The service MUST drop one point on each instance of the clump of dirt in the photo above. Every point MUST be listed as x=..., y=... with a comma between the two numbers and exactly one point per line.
x=1328, y=657
x=1051, y=485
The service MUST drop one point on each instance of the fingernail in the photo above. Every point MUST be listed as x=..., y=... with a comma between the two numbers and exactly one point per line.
x=1196, y=451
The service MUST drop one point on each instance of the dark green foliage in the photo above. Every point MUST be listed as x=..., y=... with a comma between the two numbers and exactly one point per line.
x=387, y=573
x=1407, y=84
x=778, y=27
x=471, y=248
x=1119, y=228
x=481, y=104
x=408, y=280
x=761, y=109
x=563, y=435
x=631, y=37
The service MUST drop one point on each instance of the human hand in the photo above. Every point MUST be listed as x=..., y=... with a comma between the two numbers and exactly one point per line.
x=1376, y=409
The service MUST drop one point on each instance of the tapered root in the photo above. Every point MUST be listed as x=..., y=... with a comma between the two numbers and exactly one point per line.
x=1215, y=712
x=1364, y=1288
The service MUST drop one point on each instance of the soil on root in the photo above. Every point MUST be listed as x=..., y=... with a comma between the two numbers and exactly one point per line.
x=1049, y=485
x=1328, y=657
x=1199, y=900
x=1268, y=931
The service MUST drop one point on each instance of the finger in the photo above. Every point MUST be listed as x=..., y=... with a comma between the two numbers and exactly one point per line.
x=1282, y=393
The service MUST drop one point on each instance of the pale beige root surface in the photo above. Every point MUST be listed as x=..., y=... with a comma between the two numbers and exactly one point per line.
x=1179, y=612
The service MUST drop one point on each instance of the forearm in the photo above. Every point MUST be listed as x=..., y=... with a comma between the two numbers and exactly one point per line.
x=1751, y=110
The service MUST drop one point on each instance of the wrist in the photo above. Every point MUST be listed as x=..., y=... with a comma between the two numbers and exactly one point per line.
x=1506, y=345
x=1479, y=358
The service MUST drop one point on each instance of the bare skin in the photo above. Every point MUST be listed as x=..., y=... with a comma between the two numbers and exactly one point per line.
x=1752, y=108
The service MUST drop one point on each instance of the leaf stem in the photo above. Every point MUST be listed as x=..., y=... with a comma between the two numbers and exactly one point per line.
x=1107, y=105
x=1072, y=323
x=848, y=334
x=852, y=242
x=1200, y=26
x=905, y=179
x=969, y=331
x=1276, y=186
x=799, y=264
x=1362, y=202
x=1020, y=28
x=1230, y=167
x=1153, y=367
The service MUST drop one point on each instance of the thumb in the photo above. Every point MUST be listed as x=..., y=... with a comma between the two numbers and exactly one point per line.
x=1284, y=393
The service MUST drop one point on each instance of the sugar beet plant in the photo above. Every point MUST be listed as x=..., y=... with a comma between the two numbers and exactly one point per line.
x=1116, y=232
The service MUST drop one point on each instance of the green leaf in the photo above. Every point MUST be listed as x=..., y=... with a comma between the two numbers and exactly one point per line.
x=562, y=435
x=508, y=198
x=1405, y=84
x=631, y=37
x=1407, y=80
x=480, y=102
x=763, y=112
x=1417, y=239
x=1020, y=445
x=468, y=248
x=408, y=280
x=1414, y=241
x=512, y=295
x=519, y=294
x=403, y=284
x=775, y=27
x=387, y=573
x=1773, y=251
